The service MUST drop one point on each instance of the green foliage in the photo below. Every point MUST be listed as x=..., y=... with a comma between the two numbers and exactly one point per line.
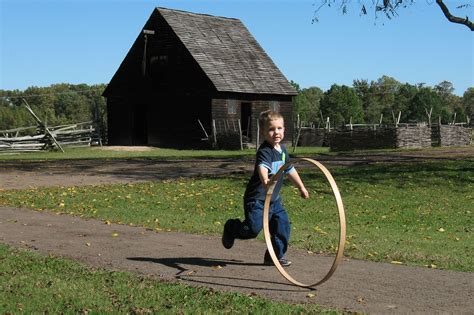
x=55, y=105
x=340, y=104
x=383, y=98
x=306, y=103
x=468, y=102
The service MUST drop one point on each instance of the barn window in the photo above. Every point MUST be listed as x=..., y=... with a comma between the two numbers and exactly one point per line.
x=231, y=107
x=161, y=60
x=275, y=106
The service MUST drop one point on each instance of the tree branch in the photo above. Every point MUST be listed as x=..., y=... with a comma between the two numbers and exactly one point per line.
x=452, y=18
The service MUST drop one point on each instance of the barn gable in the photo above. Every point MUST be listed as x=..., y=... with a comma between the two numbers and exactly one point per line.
x=184, y=67
x=228, y=54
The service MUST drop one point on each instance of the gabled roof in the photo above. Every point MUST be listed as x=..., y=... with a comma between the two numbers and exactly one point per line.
x=228, y=54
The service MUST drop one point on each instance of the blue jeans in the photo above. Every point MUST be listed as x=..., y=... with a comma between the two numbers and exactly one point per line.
x=279, y=224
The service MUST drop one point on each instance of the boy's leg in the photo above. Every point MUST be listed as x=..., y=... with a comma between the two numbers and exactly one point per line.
x=279, y=228
x=250, y=228
x=253, y=222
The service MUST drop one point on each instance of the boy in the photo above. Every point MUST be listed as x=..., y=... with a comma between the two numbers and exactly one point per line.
x=271, y=156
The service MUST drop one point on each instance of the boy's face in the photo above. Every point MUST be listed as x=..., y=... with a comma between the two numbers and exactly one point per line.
x=274, y=131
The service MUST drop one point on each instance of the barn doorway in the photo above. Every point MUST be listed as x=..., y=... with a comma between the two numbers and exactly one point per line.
x=246, y=120
x=140, y=125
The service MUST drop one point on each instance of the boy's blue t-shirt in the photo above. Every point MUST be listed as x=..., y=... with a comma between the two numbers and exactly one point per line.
x=273, y=160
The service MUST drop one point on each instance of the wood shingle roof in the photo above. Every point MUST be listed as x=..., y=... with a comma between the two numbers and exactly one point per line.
x=227, y=53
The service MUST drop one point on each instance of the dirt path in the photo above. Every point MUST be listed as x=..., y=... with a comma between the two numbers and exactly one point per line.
x=202, y=261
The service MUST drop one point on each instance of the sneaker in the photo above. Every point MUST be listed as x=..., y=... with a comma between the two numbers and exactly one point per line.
x=227, y=236
x=267, y=261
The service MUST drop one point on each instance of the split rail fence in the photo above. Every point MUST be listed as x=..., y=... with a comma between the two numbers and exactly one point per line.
x=36, y=138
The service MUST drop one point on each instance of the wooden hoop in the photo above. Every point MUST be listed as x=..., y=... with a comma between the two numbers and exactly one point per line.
x=342, y=224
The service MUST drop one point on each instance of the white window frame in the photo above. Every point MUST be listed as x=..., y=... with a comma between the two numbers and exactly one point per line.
x=232, y=107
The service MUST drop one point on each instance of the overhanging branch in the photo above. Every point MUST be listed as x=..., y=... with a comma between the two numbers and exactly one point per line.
x=452, y=18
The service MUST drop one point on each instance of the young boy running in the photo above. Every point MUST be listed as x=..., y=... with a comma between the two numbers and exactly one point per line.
x=271, y=156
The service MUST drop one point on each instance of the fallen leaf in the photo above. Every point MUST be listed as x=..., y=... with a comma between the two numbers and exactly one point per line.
x=441, y=230
x=395, y=262
x=115, y=234
x=217, y=267
x=88, y=244
x=310, y=295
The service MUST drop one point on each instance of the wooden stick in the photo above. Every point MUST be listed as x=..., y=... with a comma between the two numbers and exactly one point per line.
x=42, y=125
x=258, y=136
x=214, y=131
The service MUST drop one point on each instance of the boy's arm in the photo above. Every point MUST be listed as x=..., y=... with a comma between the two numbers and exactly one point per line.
x=298, y=183
x=263, y=174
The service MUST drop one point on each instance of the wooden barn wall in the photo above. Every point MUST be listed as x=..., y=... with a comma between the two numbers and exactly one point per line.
x=446, y=135
x=164, y=105
x=119, y=124
x=220, y=113
x=169, y=65
x=380, y=138
x=173, y=120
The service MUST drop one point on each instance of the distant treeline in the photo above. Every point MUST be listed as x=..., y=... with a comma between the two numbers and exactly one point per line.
x=55, y=105
x=364, y=102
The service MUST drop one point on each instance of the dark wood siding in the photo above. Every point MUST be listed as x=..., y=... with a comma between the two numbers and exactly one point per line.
x=259, y=104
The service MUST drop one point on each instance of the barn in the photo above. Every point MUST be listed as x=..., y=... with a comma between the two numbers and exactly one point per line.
x=187, y=73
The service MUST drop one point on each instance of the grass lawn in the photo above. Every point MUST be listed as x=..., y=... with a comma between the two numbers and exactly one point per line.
x=155, y=153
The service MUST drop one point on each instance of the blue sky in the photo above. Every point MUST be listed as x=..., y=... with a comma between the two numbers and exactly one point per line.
x=84, y=41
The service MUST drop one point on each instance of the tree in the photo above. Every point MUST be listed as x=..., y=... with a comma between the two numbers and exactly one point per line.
x=378, y=98
x=390, y=8
x=340, y=104
x=57, y=104
x=425, y=99
x=452, y=103
x=403, y=99
x=468, y=103
x=306, y=103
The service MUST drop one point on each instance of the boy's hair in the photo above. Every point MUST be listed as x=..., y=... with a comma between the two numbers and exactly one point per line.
x=265, y=117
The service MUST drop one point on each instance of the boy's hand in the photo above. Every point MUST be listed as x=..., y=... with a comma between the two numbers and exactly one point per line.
x=304, y=193
x=266, y=183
